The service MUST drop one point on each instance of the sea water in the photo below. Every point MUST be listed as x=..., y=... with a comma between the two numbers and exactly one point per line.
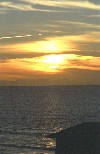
x=29, y=114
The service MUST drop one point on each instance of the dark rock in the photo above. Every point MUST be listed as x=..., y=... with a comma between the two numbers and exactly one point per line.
x=80, y=139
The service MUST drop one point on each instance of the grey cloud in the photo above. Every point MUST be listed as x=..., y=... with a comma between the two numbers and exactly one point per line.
x=7, y=56
x=83, y=53
x=95, y=1
x=84, y=63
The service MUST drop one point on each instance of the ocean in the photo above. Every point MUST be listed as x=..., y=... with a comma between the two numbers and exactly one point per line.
x=29, y=114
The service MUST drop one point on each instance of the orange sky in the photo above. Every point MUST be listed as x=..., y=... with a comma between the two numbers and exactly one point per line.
x=53, y=44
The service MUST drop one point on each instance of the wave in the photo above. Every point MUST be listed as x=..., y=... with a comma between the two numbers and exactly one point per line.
x=27, y=147
x=25, y=132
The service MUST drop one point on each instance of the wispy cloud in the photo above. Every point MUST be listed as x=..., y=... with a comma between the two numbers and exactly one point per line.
x=65, y=4
x=81, y=24
x=30, y=5
x=23, y=7
x=94, y=16
x=17, y=6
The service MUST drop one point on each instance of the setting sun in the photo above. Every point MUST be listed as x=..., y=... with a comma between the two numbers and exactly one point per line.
x=53, y=63
x=54, y=59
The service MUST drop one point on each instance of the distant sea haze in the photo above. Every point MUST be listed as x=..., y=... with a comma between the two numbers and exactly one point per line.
x=29, y=114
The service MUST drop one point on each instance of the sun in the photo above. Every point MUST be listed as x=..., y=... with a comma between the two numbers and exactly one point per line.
x=54, y=59
x=53, y=63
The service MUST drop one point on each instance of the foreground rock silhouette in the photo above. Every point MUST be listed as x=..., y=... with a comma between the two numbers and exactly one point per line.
x=80, y=139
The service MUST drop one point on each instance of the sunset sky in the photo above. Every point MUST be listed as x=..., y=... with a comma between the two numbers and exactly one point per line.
x=49, y=42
